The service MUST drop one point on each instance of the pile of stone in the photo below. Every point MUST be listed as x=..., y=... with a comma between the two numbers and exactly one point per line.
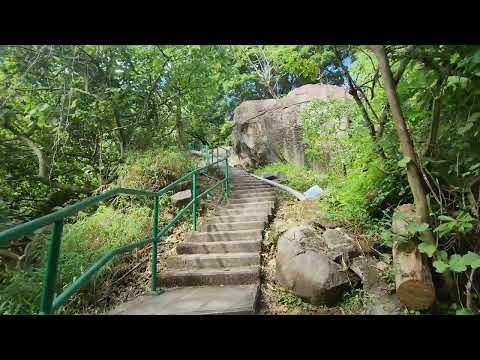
x=320, y=261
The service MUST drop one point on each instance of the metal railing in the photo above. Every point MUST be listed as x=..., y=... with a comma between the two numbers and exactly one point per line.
x=49, y=300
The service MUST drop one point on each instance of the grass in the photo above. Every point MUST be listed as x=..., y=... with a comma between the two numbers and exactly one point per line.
x=83, y=243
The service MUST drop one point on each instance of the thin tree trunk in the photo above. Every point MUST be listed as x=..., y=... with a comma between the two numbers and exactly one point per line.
x=430, y=149
x=408, y=150
x=100, y=159
x=468, y=289
x=396, y=79
x=354, y=92
x=406, y=144
x=120, y=132
x=180, y=133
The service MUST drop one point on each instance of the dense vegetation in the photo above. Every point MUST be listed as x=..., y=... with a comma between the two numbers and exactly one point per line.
x=75, y=120
x=374, y=165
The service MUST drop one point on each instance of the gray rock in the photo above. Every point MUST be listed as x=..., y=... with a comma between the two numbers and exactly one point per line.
x=268, y=131
x=339, y=243
x=306, y=271
x=181, y=196
x=380, y=300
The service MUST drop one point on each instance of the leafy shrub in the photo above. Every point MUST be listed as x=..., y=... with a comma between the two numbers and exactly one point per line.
x=324, y=123
x=153, y=169
x=356, y=299
x=293, y=301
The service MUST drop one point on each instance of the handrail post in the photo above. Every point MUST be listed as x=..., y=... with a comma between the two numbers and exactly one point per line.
x=48, y=291
x=211, y=151
x=194, y=205
x=154, y=243
x=217, y=153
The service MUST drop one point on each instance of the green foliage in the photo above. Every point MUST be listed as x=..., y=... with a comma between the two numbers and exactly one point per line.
x=428, y=249
x=298, y=178
x=457, y=263
x=153, y=169
x=462, y=224
x=455, y=309
x=84, y=108
x=293, y=301
x=87, y=110
x=389, y=276
x=83, y=242
x=324, y=125
x=88, y=237
x=366, y=196
x=356, y=299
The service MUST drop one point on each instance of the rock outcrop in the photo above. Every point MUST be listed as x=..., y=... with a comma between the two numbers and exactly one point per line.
x=267, y=131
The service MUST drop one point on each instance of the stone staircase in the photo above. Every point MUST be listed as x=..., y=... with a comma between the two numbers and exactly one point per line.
x=217, y=268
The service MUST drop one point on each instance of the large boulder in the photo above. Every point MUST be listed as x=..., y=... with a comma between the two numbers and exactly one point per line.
x=307, y=271
x=268, y=131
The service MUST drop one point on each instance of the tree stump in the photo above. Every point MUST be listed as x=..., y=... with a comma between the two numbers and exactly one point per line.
x=413, y=279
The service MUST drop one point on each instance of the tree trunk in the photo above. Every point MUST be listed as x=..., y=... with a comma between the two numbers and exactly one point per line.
x=430, y=149
x=406, y=144
x=180, y=133
x=120, y=132
x=413, y=279
x=408, y=150
x=396, y=79
x=100, y=159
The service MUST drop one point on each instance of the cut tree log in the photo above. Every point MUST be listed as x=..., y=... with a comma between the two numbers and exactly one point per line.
x=413, y=279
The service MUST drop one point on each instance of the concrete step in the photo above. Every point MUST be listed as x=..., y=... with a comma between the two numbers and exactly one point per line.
x=246, y=181
x=236, y=235
x=252, y=199
x=256, y=211
x=197, y=300
x=237, y=218
x=208, y=277
x=254, y=205
x=211, y=261
x=219, y=247
x=240, y=194
x=226, y=226
x=250, y=187
x=237, y=184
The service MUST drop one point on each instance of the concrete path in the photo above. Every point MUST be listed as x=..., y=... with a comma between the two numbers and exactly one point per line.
x=216, y=269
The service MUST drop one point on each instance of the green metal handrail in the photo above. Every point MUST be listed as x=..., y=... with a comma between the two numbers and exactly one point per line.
x=50, y=302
